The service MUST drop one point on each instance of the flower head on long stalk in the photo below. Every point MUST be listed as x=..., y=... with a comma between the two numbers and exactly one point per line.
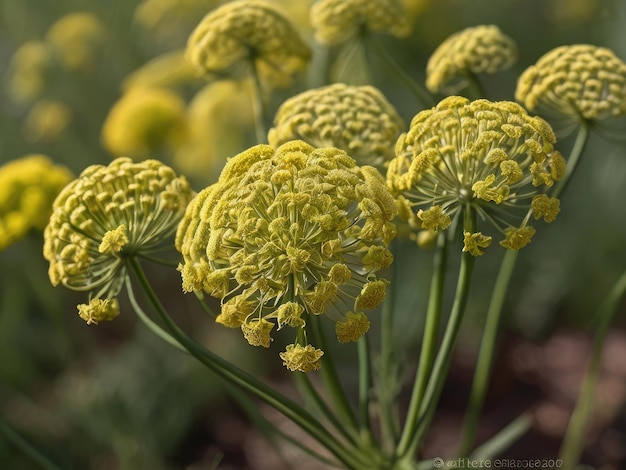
x=287, y=233
x=578, y=82
x=248, y=31
x=492, y=156
x=357, y=119
x=336, y=21
x=481, y=49
x=104, y=216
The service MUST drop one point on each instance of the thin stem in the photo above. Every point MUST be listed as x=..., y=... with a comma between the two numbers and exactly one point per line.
x=572, y=445
x=365, y=386
x=574, y=158
x=429, y=341
x=258, y=104
x=204, y=305
x=475, y=87
x=485, y=353
x=249, y=383
x=331, y=378
x=444, y=355
x=422, y=95
x=30, y=451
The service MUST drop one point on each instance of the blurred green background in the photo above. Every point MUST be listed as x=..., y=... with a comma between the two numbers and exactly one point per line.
x=113, y=396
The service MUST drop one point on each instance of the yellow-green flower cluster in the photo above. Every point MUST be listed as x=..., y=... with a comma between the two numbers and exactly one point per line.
x=336, y=21
x=490, y=157
x=29, y=70
x=166, y=70
x=27, y=188
x=107, y=214
x=288, y=233
x=248, y=31
x=46, y=121
x=479, y=49
x=77, y=38
x=580, y=81
x=357, y=119
x=144, y=122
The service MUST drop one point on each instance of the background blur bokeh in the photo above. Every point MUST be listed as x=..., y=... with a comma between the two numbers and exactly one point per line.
x=114, y=396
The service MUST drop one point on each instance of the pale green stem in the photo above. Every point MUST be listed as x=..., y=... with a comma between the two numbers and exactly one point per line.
x=234, y=375
x=444, y=355
x=258, y=104
x=485, y=353
x=422, y=95
x=475, y=87
x=25, y=447
x=504, y=438
x=331, y=378
x=365, y=387
x=430, y=337
x=573, y=442
x=572, y=162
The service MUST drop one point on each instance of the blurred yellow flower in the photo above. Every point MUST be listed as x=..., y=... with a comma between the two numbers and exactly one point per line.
x=144, y=122
x=29, y=69
x=28, y=187
x=46, y=121
x=166, y=70
x=77, y=38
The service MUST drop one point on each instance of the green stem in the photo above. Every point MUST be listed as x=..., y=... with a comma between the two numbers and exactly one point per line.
x=422, y=95
x=258, y=105
x=485, y=353
x=574, y=158
x=365, y=386
x=444, y=355
x=249, y=383
x=30, y=451
x=429, y=342
x=573, y=442
x=204, y=305
x=475, y=87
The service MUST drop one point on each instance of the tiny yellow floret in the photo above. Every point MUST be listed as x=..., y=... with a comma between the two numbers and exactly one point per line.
x=298, y=358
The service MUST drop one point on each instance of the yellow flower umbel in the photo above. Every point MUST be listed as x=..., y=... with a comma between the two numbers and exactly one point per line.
x=337, y=21
x=357, y=119
x=248, y=32
x=29, y=71
x=27, y=188
x=110, y=213
x=166, y=70
x=579, y=82
x=77, y=38
x=477, y=50
x=490, y=157
x=288, y=233
x=144, y=122
x=46, y=121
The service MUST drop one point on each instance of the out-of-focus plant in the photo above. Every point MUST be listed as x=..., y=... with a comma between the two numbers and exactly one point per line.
x=311, y=227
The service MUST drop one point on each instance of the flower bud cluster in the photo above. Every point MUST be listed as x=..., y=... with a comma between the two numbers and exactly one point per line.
x=490, y=156
x=288, y=233
x=107, y=214
x=357, y=119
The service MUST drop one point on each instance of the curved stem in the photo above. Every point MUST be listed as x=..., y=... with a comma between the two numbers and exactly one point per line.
x=475, y=87
x=19, y=442
x=249, y=383
x=485, y=353
x=422, y=95
x=429, y=342
x=572, y=445
x=574, y=158
x=258, y=105
x=365, y=386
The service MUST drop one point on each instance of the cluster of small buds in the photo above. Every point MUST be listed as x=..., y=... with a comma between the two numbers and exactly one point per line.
x=29, y=71
x=481, y=49
x=77, y=38
x=336, y=21
x=144, y=122
x=46, y=121
x=357, y=119
x=288, y=233
x=104, y=216
x=490, y=156
x=28, y=187
x=243, y=31
x=580, y=81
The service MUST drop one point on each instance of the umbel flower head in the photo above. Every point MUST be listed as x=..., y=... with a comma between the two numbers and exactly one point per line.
x=46, y=121
x=106, y=215
x=357, y=119
x=28, y=186
x=245, y=31
x=580, y=81
x=29, y=71
x=336, y=21
x=288, y=233
x=476, y=50
x=145, y=121
x=490, y=157
x=77, y=38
